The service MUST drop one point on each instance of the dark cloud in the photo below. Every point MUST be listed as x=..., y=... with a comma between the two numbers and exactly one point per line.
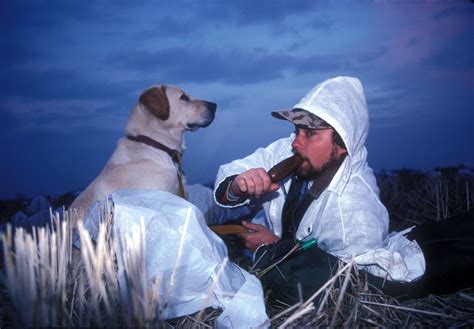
x=371, y=55
x=8, y=120
x=457, y=53
x=386, y=100
x=207, y=15
x=53, y=161
x=320, y=24
x=244, y=12
x=29, y=29
x=21, y=20
x=232, y=66
x=169, y=27
x=321, y=63
x=177, y=16
x=248, y=11
x=15, y=52
x=414, y=41
x=57, y=84
x=53, y=14
x=204, y=65
x=460, y=10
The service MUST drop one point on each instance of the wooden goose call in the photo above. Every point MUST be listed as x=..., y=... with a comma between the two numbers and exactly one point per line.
x=284, y=168
x=277, y=173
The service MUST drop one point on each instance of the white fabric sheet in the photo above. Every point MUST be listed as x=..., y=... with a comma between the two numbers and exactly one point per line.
x=179, y=245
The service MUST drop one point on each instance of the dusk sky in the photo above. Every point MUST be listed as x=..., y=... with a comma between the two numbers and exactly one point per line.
x=71, y=71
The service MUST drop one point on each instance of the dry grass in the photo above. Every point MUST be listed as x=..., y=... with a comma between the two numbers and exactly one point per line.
x=49, y=283
x=348, y=301
x=414, y=197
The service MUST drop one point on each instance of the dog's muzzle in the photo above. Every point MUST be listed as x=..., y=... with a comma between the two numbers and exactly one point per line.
x=207, y=117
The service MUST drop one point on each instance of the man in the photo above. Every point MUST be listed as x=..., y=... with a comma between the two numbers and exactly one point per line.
x=341, y=208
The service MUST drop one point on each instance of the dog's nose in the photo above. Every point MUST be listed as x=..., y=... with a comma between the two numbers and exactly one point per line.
x=212, y=106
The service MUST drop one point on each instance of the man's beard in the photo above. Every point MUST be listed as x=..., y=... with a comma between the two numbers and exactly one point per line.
x=311, y=172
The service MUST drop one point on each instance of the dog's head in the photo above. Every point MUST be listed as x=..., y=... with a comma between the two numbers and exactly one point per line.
x=177, y=108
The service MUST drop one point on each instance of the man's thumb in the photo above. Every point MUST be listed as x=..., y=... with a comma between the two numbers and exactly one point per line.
x=273, y=187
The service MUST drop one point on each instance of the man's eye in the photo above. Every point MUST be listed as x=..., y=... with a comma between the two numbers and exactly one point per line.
x=184, y=97
x=310, y=133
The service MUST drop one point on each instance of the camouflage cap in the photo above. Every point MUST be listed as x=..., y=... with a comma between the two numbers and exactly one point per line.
x=302, y=118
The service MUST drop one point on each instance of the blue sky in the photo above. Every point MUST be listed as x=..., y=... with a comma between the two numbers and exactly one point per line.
x=70, y=72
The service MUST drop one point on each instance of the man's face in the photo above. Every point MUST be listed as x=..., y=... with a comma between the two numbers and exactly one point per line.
x=317, y=149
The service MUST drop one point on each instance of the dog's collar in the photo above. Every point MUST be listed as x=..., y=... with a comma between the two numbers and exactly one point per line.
x=174, y=154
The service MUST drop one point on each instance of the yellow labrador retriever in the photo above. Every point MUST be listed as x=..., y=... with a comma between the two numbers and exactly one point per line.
x=149, y=157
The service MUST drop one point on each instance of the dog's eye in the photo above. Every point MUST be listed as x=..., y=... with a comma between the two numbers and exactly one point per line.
x=184, y=97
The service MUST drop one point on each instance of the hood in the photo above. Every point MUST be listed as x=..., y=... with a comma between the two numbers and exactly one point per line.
x=341, y=102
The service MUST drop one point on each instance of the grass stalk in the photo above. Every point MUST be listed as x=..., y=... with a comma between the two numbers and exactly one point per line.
x=407, y=309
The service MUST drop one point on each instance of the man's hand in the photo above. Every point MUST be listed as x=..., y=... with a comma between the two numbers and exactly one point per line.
x=253, y=183
x=257, y=236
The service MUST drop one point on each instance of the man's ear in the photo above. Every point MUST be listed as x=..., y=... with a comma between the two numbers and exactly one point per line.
x=156, y=101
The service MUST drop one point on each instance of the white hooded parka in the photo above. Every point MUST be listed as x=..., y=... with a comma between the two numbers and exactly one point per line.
x=348, y=220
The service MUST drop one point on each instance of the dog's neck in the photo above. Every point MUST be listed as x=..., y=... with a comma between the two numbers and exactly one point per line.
x=174, y=154
x=143, y=124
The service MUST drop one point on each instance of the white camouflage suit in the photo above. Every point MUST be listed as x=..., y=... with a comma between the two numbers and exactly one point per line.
x=348, y=220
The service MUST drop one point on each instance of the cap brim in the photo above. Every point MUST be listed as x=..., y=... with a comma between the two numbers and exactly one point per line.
x=278, y=115
x=301, y=118
x=288, y=116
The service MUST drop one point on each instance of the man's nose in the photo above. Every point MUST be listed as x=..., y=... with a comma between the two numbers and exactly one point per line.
x=296, y=144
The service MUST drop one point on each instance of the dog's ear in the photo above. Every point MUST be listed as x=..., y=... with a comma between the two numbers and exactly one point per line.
x=156, y=101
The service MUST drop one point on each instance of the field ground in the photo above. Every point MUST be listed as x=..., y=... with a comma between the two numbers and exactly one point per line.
x=412, y=198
